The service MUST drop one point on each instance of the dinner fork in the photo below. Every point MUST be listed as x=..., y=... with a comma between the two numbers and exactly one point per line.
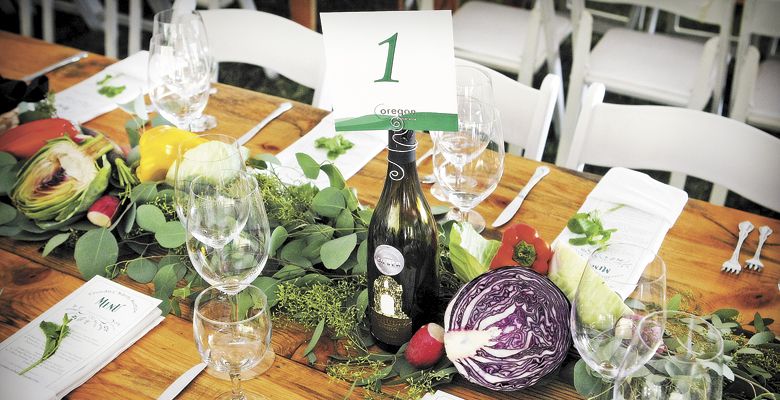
x=732, y=264
x=755, y=262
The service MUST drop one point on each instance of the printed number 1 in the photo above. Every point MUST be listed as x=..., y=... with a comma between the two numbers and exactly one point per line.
x=390, y=56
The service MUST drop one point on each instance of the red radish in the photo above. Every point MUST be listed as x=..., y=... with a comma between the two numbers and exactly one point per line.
x=426, y=347
x=103, y=210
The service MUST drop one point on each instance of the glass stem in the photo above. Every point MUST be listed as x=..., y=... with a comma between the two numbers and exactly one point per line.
x=235, y=379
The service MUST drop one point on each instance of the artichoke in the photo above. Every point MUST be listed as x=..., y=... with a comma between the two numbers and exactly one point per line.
x=62, y=179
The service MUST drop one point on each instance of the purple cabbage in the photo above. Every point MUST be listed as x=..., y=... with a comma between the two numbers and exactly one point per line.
x=507, y=329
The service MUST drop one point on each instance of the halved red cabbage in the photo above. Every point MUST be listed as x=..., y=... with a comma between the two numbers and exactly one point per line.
x=507, y=328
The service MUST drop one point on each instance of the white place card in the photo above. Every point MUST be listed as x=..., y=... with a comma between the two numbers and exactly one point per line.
x=106, y=318
x=83, y=102
x=391, y=70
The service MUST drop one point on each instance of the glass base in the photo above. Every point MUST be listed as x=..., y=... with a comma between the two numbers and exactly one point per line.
x=246, y=396
x=203, y=123
x=264, y=364
x=474, y=218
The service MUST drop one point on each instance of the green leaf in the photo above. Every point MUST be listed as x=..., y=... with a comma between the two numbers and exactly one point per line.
x=748, y=350
x=293, y=252
x=165, y=282
x=133, y=128
x=329, y=202
x=160, y=120
x=337, y=251
x=269, y=286
x=351, y=198
x=141, y=270
x=586, y=384
x=171, y=235
x=727, y=314
x=439, y=210
x=95, y=250
x=345, y=223
x=315, y=337
x=129, y=220
x=149, y=218
x=55, y=242
x=470, y=253
x=7, y=159
x=289, y=272
x=758, y=322
x=7, y=213
x=278, y=236
x=311, y=169
x=362, y=258
x=311, y=279
x=674, y=303
x=761, y=338
x=10, y=230
x=362, y=303
x=7, y=179
x=144, y=192
x=334, y=176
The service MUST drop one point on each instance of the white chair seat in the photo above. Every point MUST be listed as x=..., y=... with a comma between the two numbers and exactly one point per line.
x=495, y=34
x=656, y=67
x=764, y=109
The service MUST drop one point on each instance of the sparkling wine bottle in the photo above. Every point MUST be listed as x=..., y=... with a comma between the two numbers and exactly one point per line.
x=403, y=281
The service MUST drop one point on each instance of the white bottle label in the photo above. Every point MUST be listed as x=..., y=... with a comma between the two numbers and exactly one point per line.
x=389, y=261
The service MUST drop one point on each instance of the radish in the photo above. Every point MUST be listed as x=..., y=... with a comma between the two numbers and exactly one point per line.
x=426, y=347
x=102, y=211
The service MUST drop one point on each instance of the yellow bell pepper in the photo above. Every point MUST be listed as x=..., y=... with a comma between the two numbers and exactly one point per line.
x=159, y=148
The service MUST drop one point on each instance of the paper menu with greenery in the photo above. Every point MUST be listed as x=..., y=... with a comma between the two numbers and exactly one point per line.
x=106, y=318
x=391, y=70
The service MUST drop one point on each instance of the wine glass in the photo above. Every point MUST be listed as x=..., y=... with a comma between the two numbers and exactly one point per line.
x=233, y=331
x=688, y=365
x=208, y=155
x=228, y=234
x=469, y=163
x=179, y=70
x=621, y=283
x=173, y=21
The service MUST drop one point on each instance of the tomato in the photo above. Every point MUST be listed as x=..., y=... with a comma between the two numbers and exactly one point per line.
x=521, y=245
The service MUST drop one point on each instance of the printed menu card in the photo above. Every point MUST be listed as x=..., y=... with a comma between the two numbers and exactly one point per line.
x=106, y=318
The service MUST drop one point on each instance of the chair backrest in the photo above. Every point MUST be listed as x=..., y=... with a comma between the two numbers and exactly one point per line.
x=759, y=17
x=267, y=40
x=715, y=12
x=526, y=112
x=715, y=148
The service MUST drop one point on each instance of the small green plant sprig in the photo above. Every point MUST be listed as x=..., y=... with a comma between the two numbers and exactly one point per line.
x=54, y=335
x=589, y=225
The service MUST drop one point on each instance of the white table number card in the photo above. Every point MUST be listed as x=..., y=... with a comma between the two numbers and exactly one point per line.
x=391, y=70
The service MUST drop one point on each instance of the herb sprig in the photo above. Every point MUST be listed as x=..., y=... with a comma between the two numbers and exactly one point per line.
x=54, y=334
x=336, y=145
x=590, y=227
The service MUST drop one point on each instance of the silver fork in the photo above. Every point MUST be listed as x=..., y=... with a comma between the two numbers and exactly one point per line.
x=755, y=262
x=732, y=264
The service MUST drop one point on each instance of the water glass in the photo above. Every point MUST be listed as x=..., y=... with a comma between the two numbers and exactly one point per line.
x=621, y=283
x=687, y=365
x=232, y=331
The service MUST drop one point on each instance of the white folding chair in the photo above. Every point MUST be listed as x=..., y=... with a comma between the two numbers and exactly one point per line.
x=512, y=39
x=756, y=88
x=654, y=67
x=267, y=40
x=719, y=149
x=526, y=112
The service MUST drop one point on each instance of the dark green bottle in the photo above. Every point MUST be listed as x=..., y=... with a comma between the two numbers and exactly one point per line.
x=403, y=280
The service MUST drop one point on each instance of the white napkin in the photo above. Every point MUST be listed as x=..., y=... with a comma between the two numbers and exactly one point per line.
x=82, y=102
x=367, y=144
x=639, y=207
x=440, y=395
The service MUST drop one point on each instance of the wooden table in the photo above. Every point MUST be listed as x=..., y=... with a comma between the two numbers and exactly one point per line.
x=703, y=237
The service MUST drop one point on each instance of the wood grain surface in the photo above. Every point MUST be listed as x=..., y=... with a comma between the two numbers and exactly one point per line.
x=703, y=237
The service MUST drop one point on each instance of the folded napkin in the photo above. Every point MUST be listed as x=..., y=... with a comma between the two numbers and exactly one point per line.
x=106, y=319
x=367, y=144
x=82, y=102
x=639, y=207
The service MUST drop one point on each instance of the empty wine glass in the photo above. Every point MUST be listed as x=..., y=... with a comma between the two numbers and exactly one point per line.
x=204, y=155
x=172, y=21
x=233, y=331
x=688, y=364
x=179, y=72
x=469, y=163
x=227, y=228
x=621, y=283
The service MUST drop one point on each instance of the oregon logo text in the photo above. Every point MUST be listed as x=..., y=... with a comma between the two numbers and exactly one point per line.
x=389, y=261
x=383, y=110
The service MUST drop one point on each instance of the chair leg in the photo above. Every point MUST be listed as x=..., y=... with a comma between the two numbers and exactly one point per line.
x=653, y=20
x=560, y=109
x=677, y=180
x=47, y=8
x=718, y=194
x=25, y=17
x=110, y=28
x=135, y=16
x=573, y=105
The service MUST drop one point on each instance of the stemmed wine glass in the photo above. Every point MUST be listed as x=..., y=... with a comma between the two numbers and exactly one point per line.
x=688, y=365
x=190, y=22
x=233, y=331
x=469, y=163
x=206, y=155
x=621, y=283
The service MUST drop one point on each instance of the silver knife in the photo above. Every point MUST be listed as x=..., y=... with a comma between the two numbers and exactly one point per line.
x=181, y=382
x=512, y=208
x=275, y=113
x=56, y=65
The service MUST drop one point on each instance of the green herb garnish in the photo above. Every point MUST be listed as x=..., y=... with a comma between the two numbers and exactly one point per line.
x=105, y=79
x=111, y=91
x=336, y=145
x=54, y=334
x=590, y=227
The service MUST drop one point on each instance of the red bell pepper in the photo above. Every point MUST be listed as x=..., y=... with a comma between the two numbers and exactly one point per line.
x=25, y=140
x=521, y=245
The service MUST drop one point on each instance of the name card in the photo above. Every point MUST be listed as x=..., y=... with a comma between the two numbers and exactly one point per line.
x=391, y=70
